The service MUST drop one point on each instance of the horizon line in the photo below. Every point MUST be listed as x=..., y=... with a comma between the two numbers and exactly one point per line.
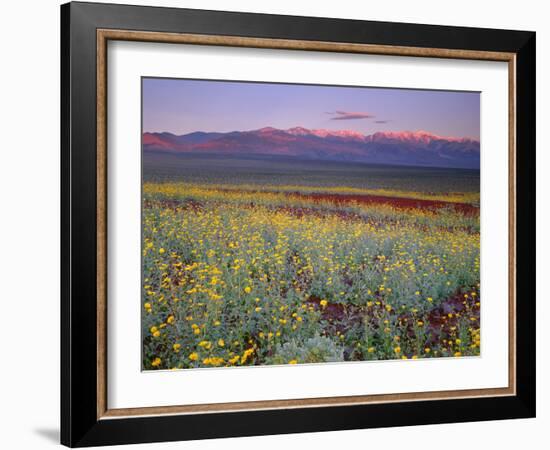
x=322, y=130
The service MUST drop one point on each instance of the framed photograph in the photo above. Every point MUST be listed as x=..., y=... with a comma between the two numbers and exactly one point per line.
x=276, y=224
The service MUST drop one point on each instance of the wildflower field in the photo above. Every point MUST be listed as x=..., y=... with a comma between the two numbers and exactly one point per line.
x=279, y=270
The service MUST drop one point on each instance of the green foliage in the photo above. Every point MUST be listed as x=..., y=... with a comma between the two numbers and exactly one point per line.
x=316, y=349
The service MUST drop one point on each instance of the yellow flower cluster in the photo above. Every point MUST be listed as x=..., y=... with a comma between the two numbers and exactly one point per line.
x=231, y=275
x=173, y=189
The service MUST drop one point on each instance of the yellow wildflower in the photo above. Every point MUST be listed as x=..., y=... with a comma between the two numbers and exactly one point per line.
x=156, y=362
x=205, y=344
x=246, y=355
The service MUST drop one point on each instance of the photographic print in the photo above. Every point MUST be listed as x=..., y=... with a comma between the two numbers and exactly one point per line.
x=294, y=224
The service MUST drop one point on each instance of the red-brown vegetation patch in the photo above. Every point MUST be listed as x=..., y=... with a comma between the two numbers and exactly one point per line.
x=173, y=204
x=396, y=202
x=441, y=322
x=444, y=318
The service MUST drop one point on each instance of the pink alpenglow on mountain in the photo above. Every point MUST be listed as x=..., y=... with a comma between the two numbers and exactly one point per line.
x=410, y=148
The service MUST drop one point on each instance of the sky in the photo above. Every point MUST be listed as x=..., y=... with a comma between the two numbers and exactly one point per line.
x=183, y=106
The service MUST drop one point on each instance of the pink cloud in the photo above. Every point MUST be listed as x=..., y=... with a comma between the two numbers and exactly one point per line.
x=346, y=115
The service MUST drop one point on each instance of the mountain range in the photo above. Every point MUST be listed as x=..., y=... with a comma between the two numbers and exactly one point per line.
x=418, y=148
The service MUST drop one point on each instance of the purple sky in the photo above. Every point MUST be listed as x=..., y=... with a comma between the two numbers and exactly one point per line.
x=183, y=106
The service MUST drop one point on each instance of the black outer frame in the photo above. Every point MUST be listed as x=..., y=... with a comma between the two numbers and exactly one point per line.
x=79, y=423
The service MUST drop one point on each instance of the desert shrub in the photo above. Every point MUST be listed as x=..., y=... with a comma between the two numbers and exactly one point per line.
x=314, y=350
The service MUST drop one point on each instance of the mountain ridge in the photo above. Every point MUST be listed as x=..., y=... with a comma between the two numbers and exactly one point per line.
x=416, y=148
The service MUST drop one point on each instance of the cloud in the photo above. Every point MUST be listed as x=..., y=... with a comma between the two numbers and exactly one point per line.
x=381, y=121
x=346, y=115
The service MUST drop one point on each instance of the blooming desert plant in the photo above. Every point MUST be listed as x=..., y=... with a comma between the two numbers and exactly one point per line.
x=240, y=277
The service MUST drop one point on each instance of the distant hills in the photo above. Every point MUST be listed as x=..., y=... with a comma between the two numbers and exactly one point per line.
x=419, y=148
